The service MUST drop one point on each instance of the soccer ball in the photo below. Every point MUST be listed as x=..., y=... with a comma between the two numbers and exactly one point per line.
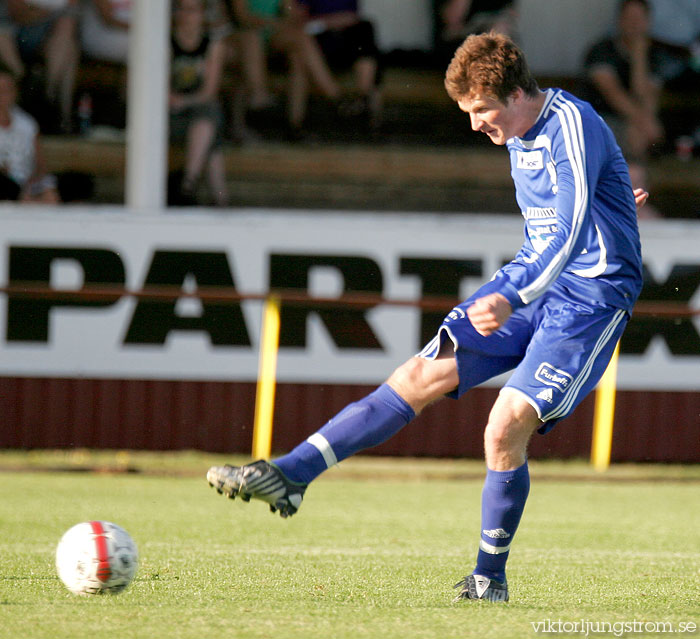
x=95, y=557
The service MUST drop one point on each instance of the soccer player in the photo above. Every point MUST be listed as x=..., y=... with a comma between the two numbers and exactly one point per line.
x=553, y=315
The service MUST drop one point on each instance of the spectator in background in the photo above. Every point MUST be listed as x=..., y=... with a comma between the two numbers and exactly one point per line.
x=279, y=25
x=196, y=116
x=46, y=30
x=22, y=170
x=456, y=19
x=104, y=29
x=348, y=42
x=104, y=38
x=675, y=28
x=623, y=73
x=9, y=55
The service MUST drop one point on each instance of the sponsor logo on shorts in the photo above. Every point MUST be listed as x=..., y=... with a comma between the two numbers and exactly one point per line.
x=551, y=376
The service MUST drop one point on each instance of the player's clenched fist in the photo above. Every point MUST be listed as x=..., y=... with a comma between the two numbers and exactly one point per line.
x=489, y=313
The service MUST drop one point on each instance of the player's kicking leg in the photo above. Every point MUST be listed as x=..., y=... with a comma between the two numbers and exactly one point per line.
x=261, y=480
x=362, y=424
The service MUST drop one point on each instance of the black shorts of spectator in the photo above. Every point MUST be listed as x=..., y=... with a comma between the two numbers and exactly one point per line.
x=343, y=47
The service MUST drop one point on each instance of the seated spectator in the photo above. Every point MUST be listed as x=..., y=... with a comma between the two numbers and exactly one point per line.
x=22, y=171
x=456, y=19
x=675, y=28
x=280, y=26
x=196, y=116
x=104, y=29
x=104, y=38
x=46, y=30
x=348, y=42
x=219, y=16
x=9, y=55
x=625, y=88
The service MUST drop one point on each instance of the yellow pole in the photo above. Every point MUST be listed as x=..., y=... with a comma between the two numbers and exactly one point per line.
x=267, y=378
x=604, y=414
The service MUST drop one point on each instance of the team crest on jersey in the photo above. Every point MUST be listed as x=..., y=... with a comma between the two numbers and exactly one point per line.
x=530, y=160
x=551, y=376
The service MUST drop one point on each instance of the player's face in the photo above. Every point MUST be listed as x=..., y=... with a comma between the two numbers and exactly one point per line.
x=496, y=119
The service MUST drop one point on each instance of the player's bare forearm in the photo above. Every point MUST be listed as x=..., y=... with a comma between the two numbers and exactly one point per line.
x=489, y=313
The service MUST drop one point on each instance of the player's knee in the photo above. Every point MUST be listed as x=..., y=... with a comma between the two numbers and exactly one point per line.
x=409, y=376
x=498, y=437
x=504, y=448
x=511, y=423
x=420, y=381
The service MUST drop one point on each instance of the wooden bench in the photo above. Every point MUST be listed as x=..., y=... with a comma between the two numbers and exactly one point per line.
x=409, y=170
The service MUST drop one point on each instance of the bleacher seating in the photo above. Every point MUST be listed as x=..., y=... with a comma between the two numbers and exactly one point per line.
x=425, y=158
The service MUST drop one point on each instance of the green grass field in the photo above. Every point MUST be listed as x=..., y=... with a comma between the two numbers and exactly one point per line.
x=373, y=552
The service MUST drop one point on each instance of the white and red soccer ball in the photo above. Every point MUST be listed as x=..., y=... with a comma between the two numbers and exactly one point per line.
x=96, y=557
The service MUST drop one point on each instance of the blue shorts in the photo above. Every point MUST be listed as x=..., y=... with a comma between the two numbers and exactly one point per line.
x=557, y=346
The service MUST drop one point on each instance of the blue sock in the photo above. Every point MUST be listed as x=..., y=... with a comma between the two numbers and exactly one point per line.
x=368, y=422
x=502, y=503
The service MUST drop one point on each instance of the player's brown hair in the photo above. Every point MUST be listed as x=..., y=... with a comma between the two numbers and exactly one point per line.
x=490, y=64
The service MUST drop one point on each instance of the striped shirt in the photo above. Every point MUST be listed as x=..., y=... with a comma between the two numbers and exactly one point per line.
x=574, y=191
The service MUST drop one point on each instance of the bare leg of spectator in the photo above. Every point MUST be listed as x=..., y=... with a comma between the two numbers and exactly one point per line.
x=10, y=56
x=216, y=176
x=318, y=69
x=254, y=67
x=297, y=91
x=365, y=71
x=199, y=139
x=61, y=63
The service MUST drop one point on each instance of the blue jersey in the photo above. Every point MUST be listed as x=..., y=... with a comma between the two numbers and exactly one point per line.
x=574, y=191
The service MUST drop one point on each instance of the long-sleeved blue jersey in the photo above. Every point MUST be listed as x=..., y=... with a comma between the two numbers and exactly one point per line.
x=574, y=191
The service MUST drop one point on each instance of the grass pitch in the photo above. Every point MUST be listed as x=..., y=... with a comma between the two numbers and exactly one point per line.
x=373, y=552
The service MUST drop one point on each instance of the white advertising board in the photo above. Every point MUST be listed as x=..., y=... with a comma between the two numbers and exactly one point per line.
x=399, y=256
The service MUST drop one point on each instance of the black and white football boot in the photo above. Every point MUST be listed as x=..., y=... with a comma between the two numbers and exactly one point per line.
x=259, y=480
x=480, y=587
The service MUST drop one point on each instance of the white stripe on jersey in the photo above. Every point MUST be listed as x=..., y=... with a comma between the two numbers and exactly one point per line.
x=572, y=129
x=551, y=96
x=599, y=268
x=573, y=391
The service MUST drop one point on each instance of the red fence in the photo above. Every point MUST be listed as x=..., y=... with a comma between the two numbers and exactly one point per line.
x=218, y=417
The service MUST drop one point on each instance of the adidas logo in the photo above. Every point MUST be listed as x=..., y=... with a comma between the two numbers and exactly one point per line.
x=496, y=533
x=546, y=395
x=481, y=585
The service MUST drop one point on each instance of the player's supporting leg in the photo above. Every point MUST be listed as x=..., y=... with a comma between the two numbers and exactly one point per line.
x=362, y=424
x=511, y=423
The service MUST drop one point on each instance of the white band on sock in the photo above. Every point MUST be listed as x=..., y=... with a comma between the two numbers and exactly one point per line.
x=319, y=441
x=493, y=550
